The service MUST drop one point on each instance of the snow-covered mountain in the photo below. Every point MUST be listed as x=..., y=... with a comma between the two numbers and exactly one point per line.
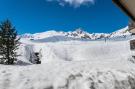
x=78, y=33
x=121, y=32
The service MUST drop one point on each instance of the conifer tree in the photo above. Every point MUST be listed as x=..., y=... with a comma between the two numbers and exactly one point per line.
x=8, y=43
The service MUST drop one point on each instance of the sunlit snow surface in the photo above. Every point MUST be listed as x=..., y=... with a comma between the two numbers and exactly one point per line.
x=72, y=64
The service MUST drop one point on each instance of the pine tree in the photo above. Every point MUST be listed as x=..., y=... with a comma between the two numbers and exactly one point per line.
x=8, y=43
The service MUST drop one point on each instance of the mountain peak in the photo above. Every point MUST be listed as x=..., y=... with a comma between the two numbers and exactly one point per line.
x=79, y=30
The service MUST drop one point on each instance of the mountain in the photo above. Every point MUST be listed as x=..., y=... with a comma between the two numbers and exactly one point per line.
x=42, y=35
x=121, y=32
x=77, y=34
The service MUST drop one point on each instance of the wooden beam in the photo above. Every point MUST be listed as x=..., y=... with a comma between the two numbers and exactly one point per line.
x=125, y=8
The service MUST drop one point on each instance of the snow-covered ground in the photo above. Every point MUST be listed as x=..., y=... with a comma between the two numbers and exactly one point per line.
x=71, y=64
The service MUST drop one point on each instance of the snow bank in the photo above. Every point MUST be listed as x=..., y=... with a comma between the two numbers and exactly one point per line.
x=83, y=51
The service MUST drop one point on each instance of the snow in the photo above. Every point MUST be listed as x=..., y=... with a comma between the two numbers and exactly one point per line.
x=71, y=63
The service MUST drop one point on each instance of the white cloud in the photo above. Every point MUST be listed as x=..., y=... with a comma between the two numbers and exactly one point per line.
x=74, y=3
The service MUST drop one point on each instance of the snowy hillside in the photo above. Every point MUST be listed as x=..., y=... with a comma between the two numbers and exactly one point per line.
x=70, y=63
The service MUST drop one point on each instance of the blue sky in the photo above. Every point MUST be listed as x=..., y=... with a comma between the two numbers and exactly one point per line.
x=31, y=16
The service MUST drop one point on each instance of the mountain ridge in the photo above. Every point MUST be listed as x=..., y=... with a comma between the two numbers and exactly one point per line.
x=78, y=33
